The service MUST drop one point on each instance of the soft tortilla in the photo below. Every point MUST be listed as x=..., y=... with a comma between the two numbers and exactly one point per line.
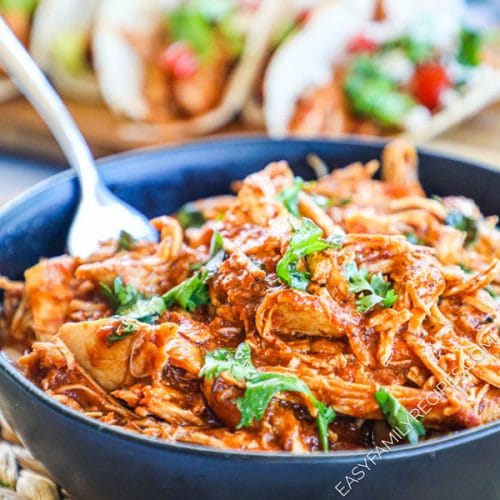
x=53, y=18
x=120, y=43
x=306, y=61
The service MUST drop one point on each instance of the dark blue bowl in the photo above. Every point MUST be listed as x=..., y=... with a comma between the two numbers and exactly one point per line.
x=94, y=461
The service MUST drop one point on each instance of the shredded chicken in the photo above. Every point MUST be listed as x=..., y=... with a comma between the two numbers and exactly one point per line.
x=433, y=338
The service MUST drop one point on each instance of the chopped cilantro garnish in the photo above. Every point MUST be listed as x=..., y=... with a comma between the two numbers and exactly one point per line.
x=414, y=239
x=202, y=23
x=371, y=290
x=372, y=94
x=124, y=329
x=398, y=417
x=126, y=241
x=491, y=292
x=25, y=6
x=261, y=387
x=469, y=51
x=466, y=269
x=189, y=215
x=188, y=24
x=305, y=240
x=125, y=300
x=193, y=291
x=290, y=196
x=416, y=50
x=463, y=223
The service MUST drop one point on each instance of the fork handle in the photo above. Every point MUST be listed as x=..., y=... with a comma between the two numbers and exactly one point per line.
x=34, y=85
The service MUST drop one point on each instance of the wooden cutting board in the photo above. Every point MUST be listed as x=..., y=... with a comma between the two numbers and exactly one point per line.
x=23, y=132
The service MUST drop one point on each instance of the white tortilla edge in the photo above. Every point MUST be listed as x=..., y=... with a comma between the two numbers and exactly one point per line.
x=52, y=19
x=305, y=61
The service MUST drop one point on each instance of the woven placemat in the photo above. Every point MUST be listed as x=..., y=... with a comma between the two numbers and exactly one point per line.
x=21, y=475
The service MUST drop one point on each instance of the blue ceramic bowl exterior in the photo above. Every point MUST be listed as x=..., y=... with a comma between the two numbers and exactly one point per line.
x=95, y=461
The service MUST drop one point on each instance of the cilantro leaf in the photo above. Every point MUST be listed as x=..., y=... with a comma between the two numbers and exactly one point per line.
x=189, y=215
x=414, y=239
x=126, y=241
x=416, y=50
x=466, y=269
x=463, y=223
x=25, y=6
x=489, y=289
x=237, y=362
x=370, y=93
x=290, y=196
x=189, y=294
x=124, y=329
x=398, y=417
x=188, y=24
x=193, y=291
x=261, y=387
x=125, y=300
x=306, y=239
x=469, y=52
x=371, y=290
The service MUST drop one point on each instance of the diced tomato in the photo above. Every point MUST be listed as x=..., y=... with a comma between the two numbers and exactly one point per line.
x=179, y=60
x=303, y=16
x=361, y=43
x=429, y=82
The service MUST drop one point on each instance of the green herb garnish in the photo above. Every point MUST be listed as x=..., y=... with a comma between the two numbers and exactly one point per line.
x=202, y=23
x=370, y=289
x=25, y=6
x=414, y=239
x=188, y=24
x=463, y=223
x=189, y=215
x=126, y=241
x=416, y=50
x=372, y=94
x=398, y=417
x=305, y=240
x=261, y=387
x=466, y=269
x=125, y=300
x=469, y=52
x=124, y=329
x=193, y=291
x=491, y=292
x=290, y=196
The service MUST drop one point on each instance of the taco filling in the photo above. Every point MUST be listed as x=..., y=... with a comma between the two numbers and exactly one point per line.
x=384, y=84
x=195, y=51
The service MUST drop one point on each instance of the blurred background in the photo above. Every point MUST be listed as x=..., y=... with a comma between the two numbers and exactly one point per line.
x=134, y=75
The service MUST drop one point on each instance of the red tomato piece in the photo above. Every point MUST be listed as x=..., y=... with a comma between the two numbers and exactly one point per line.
x=303, y=16
x=361, y=43
x=429, y=82
x=179, y=60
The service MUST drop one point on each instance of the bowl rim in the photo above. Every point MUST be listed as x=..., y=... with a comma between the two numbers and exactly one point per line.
x=8, y=369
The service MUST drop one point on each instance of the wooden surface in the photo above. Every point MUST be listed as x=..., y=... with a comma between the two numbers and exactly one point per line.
x=22, y=131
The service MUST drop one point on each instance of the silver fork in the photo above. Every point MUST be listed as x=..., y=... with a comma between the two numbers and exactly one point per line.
x=101, y=215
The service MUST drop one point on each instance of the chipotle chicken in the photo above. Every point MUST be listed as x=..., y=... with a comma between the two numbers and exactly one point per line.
x=296, y=316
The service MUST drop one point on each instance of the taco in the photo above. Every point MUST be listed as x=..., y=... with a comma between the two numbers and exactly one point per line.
x=18, y=14
x=379, y=68
x=185, y=66
x=61, y=45
x=293, y=15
